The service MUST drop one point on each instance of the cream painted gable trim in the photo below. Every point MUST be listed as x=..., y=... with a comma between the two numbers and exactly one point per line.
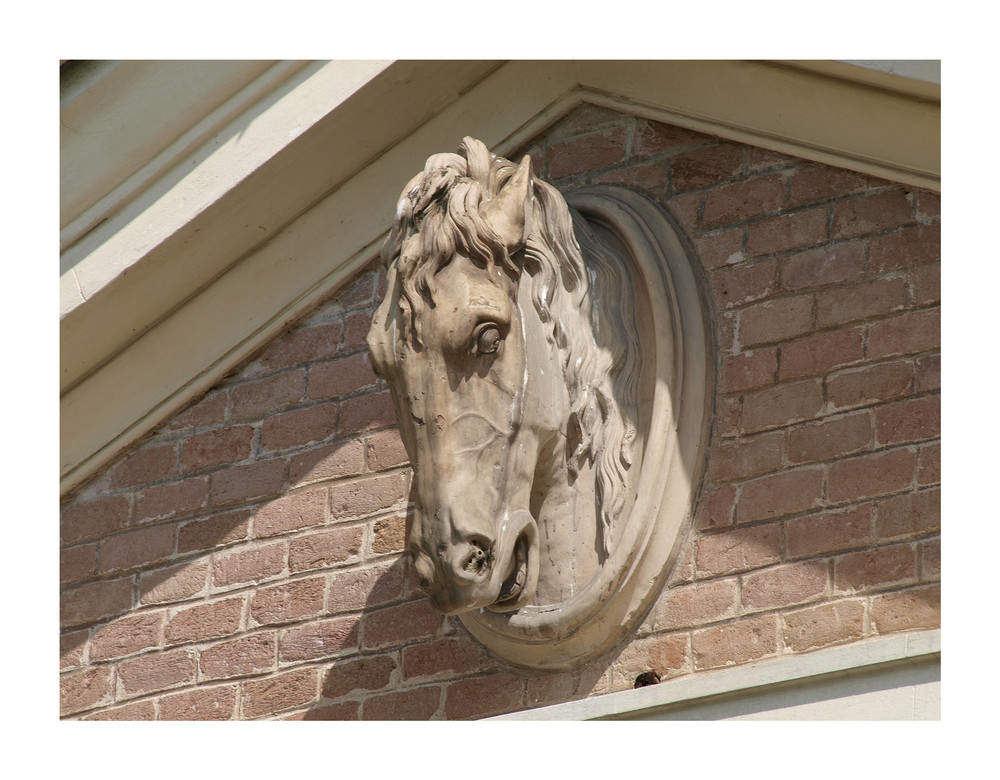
x=294, y=195
x=895, y=677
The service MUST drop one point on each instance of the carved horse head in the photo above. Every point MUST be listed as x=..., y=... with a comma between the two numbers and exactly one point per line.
x=502, y=391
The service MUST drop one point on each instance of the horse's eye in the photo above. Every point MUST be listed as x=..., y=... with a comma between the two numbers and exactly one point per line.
x=486, y=339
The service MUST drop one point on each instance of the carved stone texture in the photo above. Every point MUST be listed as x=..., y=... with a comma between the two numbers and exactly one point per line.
x=549, y=369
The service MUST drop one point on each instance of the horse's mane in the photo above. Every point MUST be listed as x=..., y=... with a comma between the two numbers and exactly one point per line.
x=586, y=308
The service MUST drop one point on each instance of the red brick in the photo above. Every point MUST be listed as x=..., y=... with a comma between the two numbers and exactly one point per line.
x=278, y=693
x=389, y=535
x=299, y=427
x=696, y=605
x=742, y=284
x=748, y=370
x=210, y=410
x=784, y=586
x=908, y=610
x=341, y=376
x=776, y=320
x=929, y=464
x=247, y=655
x=928, y=204
x=291, y=513
x=721, y=248
x=823, y=266
x=137, y=710
x=172, y=500
x=143, y=466
x=743, y=200
x=365, y=588
x=288, y=602
x=878, y=567
x=84, y=690
x=369, y=495
x=588, y=152
x=830, y=438
x=909, y=420
x=813, y=183
x=77, y=563
x=747, y=457
x=251, y=565
x=860, y=301
x=416, y=704
x=367, y=413
x=827, y=532
x=95, y=601
x=247, y=483
x=821, y=353
x=782, y=404
x=300, y=346
x=127, y=635
x=925, y=285
x=651, y=177
x=865, y=476
x=854, y=387
x=909, y=514
x=823, y=625
x=356, y=330
x=205, y=621
x=715, y=508
x=360, y=290
x=173, y=583
x=664, y=656
x=448, y=657
x=71, y=647
x=707, y=165
x=762, y=159
x=217, y=702
x=342, y=459
x=788, y=231
x=214, y=531
x=401, y=623
x=385, y=450
x=158, y=671
x=730, y=644
x=917, y=245
x=318, y=550
x=370, y=673
x=728, y=411
x=930, y=560
x=871, y=213
x=91, y=519
x=737, y=550
x=220, y=447
x=319, y=639
x=780, y=494
x=256, y=400
x=137, y=548
x=483, y=696
x=651, y=138
x=348, y=710
x=915, y=331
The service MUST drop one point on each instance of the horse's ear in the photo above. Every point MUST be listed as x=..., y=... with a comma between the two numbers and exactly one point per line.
x=510, y=212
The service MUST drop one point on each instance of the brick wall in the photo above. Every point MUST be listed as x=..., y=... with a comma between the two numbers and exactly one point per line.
x=245, y=561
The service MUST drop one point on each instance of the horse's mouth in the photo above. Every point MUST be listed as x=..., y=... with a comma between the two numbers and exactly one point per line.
x=518, y=586
x=518, y=574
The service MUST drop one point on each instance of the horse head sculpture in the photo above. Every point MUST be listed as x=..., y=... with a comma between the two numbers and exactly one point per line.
x=512, y=366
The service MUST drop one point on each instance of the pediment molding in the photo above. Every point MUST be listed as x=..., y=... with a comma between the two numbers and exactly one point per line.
x=154, y=325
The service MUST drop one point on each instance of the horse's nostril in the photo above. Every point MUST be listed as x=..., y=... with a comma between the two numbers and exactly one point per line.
x=477, y=558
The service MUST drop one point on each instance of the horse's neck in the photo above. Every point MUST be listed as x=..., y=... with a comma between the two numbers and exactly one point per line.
x=567, y=526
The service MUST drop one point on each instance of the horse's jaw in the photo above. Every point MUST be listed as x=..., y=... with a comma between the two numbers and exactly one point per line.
x=519, y=577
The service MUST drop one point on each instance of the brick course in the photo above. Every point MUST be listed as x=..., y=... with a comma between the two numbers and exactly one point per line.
x=247, y=559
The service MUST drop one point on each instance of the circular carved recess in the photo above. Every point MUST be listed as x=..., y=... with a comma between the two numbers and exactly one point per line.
x=614, y=579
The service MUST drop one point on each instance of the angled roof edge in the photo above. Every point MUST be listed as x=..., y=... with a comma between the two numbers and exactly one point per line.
x=154, y=326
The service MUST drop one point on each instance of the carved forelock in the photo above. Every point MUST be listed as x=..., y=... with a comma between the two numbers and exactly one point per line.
x=440, y=215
